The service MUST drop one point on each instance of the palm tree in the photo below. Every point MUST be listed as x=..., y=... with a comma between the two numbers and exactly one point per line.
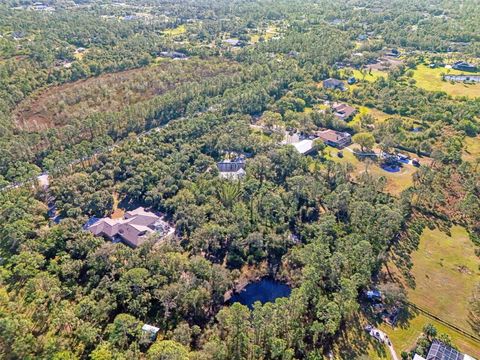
x=229, y=192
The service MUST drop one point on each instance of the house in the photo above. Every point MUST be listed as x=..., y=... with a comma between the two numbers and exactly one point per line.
x=305, y=146
x=150, y=330
x=440, y=351
x=132, y=230
x=464, y=66
x=173, y=55
x=233, y=42
x=232, y=169
x=343, y=111
x=334, y=84
x=393, y=53
x=335, y=138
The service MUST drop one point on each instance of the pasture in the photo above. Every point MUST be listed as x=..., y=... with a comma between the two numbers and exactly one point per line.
x=431, y=80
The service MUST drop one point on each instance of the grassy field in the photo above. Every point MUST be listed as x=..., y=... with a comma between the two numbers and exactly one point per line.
x=404, y=338
x=472, y=148
x=446, y=270
x=431, y=79
x=179, y=30
x=370, y=76
x=363, y=110
x=396, y=182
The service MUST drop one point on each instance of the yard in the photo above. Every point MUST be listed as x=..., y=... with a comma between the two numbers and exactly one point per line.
x=431, y=80
x=179, y=30
x=445, y=271
x=404, y=338
x=370, y=75
x=396, y=181
x=363, y=110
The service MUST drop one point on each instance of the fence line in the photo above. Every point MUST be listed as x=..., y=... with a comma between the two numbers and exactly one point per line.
x=445, y=322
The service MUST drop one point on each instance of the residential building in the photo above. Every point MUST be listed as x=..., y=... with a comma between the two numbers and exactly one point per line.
x=334, y=84
x=232, y=169
x=440, y=351
x=335, y=138
x=393, y=53
x=233, y=42
x=343, y=111
x=173, y=55
x=464, y=66
x=132, y=230
x=150, y=330
x=305, y=146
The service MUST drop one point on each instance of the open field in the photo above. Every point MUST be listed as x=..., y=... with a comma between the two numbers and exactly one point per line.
x=363, y=110
x=179, y=30
x=396, y=182
x=445, y=270
x=431, y=80
x=472, y=148
x=404, y=337
x=370, y=76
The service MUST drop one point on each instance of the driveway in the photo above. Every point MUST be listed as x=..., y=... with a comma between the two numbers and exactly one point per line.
x=383, y=337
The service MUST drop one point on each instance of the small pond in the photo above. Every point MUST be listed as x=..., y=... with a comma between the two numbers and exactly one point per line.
x=265, y=290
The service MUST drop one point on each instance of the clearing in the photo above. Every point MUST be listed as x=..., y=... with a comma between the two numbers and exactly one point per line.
x=61, y=105
x=179, y=30
x=472, y=148
x=396, y=181
x=431, y=80
x=404, y=337
x=445, y=272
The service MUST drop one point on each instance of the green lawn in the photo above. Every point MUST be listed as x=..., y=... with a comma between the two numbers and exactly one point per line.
x=431, y=80
x=363, y=110
x=396, y=182
x=472, y=148
x=446, y=271
x=370, y=76
x=404, y=338
x=179, y=30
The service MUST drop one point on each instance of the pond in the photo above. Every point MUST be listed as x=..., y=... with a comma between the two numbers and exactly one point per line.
x=265, y=290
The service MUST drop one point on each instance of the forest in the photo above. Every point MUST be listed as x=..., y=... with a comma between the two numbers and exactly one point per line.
x=122, y=104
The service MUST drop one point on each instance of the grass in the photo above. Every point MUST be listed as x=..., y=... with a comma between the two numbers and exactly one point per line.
x=353, y=342
x=404, y=338
x=472, y=148
x=370, y=76
x=431, y=80
x=396, y=182
x=179, y=30
x=363, y=110
x=445, y=272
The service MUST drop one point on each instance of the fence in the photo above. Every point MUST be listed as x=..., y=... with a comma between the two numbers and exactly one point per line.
x=444, y=322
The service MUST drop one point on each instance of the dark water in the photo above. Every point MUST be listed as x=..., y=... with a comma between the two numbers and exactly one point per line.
x=265, y=290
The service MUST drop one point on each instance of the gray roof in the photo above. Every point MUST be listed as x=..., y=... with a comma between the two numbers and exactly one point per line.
x=133, y=229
